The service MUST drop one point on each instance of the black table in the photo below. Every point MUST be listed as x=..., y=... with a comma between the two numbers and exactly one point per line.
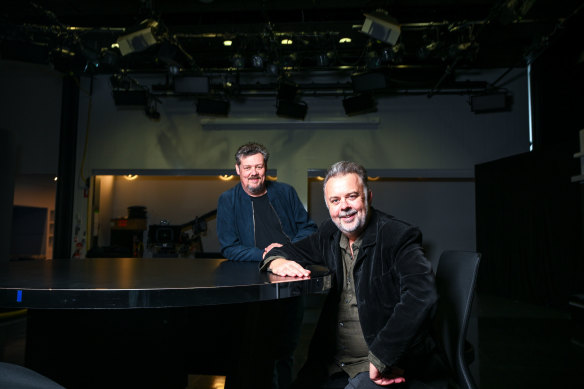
x=133, y=322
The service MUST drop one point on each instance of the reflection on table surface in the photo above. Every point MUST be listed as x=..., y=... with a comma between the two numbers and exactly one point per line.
x=211, y=317
x=145, y=283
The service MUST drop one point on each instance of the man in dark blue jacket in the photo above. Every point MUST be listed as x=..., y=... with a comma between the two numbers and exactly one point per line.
x=252, y=218
x=374, y=329
x=257, y=215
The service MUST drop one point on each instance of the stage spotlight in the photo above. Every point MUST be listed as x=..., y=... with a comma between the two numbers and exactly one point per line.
x=359, y=104
x=212, y=107
x=257, y=61
x=238, y=61
x=292, y=110
x=324, y=59
x=393, y=54
x=109, y=59
x=290, y=60
x=273, y=68
x=138, y=40
x=381, y=27
x=373, y=60
x=287, y=90
x=491, y=102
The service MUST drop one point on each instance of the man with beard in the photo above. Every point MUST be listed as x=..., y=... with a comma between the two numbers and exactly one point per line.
x=374, y=329
x=257, y=215
x=253, y=217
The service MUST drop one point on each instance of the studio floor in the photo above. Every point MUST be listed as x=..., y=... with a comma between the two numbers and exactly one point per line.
x=519, y=345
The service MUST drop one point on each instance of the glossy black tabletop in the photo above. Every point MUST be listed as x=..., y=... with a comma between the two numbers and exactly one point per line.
x=104, y=283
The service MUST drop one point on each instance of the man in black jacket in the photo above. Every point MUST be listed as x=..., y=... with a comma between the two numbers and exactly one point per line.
x=374, y=329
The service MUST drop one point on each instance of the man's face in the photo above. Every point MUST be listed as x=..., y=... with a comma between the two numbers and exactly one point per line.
x=252, y=173
x=347, y=204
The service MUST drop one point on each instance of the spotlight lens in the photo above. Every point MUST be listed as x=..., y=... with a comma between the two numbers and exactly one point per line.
x=257, y=61
x=227, y=43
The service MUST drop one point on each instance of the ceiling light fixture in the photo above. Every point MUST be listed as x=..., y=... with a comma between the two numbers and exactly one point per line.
x=360, y=104
x=382, y=27
x=138, y=40
x=287, y=105
x=257, y=61
x=491, y=102
x=291, y=109
x=325, y=59
x=238, y=61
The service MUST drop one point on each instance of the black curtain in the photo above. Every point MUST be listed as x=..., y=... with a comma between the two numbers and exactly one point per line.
x=529, y=227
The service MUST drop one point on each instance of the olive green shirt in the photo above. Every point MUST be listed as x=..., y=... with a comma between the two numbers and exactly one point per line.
x=352, y=355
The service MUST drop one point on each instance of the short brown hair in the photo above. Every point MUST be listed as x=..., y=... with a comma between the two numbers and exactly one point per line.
x=251, y=148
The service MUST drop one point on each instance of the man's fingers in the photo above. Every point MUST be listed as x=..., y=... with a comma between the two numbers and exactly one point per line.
x=289, y=269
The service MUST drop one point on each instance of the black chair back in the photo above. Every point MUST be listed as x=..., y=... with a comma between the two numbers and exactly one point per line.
x=455, y=280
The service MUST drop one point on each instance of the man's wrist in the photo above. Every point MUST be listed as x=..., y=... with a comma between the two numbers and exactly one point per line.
x=267, y=262
x=382, y=367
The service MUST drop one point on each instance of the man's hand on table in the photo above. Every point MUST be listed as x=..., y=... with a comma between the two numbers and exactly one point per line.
x=284, y=267
x=395, y=377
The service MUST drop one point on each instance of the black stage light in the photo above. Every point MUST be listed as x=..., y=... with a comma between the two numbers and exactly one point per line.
x=142, y=37
x=292, y=110
x=287, y=90
x=381, y=27
x=212, y=107
x=490, y=102
x=359, y=104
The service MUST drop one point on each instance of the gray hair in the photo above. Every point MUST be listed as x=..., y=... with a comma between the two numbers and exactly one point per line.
x=342, y=168
x=251, y=148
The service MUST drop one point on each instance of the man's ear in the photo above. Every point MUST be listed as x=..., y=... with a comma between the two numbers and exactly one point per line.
x=237, y=169
x=369, y=196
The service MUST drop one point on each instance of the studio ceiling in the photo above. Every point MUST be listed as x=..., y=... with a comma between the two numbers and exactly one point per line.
x=437, y=37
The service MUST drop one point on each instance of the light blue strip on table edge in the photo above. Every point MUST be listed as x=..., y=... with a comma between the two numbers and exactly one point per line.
x=19, y=296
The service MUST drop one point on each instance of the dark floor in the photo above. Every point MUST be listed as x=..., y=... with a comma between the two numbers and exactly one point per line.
x=519, y=345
